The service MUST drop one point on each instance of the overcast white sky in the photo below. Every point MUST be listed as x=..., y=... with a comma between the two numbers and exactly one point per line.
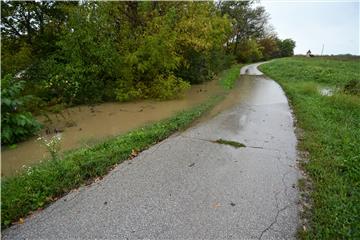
x=312, y=23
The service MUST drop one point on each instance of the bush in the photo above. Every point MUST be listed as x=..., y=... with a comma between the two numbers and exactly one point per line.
x=16, y=123
x=286, y=47
x=352, y=87
x=249, y=51
x=197, y=68
x=13, y=62
x=126, y=92
x=164, y=87
x=168, y=87
x=270, y=48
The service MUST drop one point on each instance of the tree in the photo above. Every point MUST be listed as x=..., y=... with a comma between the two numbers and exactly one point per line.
x=86, y=51
x=286, y=47
x=249, y=51
x=247, y=22
x=201, y=31
x=29, y=31
x=269, y=46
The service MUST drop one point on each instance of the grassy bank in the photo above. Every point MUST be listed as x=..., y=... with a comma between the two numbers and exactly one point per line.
x=229, y=76
x=39, y=185
x=331, y=126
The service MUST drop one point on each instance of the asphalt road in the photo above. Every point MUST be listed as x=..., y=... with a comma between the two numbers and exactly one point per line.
x=188, y=187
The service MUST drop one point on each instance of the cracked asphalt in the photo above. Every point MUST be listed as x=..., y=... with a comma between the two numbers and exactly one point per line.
x=188, y=187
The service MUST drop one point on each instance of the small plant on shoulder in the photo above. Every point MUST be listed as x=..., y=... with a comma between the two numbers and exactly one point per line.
x=28, y=170
x=52, y=145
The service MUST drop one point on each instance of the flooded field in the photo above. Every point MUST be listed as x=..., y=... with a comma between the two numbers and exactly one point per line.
x=87, y=125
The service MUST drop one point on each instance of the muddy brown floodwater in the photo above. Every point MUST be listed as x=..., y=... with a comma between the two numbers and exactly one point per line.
x=87, y=125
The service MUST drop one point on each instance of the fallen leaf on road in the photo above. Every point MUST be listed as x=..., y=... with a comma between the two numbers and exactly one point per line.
x=97, y=179
x=21, y=221
x=134, y=153
x=216, y=205
x=49, y=198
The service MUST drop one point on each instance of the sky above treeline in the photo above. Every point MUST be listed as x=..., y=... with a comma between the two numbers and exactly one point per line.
x=314, y=23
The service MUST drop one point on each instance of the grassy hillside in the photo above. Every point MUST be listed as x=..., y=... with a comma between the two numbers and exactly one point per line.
x=330, y=120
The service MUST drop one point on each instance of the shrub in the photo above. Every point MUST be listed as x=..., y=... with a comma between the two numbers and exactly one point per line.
x=286, y=47
x=249, y=51
x=164, y=87
x=352, y=87
x=16, y=123
x=168, y=87
x=125, y=92
x=269, y=46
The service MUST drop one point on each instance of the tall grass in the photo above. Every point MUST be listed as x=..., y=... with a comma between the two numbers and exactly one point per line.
x=229, y=76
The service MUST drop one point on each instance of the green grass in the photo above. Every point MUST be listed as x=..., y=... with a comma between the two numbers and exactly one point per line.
x=229, y=76
x=331, y=126
x=38, y=186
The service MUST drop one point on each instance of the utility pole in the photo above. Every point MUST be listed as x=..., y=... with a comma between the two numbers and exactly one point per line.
x=322, y=50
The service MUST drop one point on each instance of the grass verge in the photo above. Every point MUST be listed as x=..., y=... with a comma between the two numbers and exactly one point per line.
x=229, y=76
x=331, y=134
x=43, y=183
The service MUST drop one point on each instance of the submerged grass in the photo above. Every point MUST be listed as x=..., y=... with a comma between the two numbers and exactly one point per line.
x=229, y=76
x=331, y=126
x=39, y=185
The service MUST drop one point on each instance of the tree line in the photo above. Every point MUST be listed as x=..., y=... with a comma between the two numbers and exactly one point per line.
x=85, y=52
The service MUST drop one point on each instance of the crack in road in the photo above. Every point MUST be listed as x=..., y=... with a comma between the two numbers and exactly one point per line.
x=269, y=227
x=214, y=141
x=276, y=216
x=284, y=190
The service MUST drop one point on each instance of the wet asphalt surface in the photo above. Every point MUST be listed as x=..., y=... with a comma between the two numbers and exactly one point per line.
x=188, y=187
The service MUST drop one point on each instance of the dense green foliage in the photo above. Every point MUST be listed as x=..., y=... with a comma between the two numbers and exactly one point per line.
x=331, y=127
x=286, y=47
x=98, y=51
x=69, y=53
x=84, y=52
x=16, y=123
x=251, y=39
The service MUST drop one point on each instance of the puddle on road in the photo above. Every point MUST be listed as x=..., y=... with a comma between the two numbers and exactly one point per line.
x=239, y=93
x=87, y=125
x=252, y=90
